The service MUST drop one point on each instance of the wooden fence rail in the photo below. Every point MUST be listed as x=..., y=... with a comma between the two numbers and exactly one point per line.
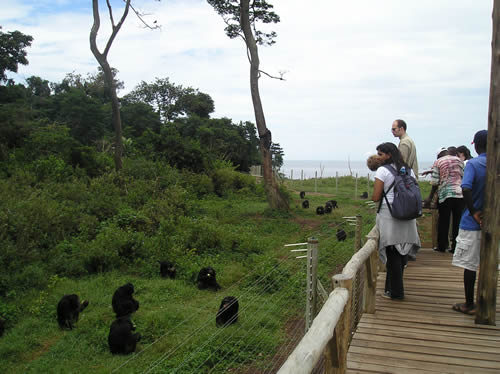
x=331, y=330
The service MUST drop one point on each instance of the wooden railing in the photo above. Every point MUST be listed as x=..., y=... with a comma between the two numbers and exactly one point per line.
x=331, y=331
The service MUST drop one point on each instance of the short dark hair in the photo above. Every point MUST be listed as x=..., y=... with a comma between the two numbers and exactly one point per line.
x=452, y=151
x=401, y=123
x=466, y=152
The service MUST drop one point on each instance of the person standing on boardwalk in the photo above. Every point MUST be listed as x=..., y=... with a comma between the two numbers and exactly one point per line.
x=406, y=145
x=468, y=246
x=446, y=179
x=398, y=238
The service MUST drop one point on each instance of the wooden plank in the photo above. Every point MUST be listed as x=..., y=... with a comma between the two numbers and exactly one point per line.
x=399, y=366
x=417, y=356
x=437, y=341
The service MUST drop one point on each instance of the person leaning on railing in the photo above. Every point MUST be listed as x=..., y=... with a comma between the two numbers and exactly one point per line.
x=398, y=238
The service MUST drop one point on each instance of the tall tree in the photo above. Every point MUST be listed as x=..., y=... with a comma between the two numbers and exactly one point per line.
x=12, y=51
x=171, y=100
x=102, y=59
x=241, y=17
x=490, y=236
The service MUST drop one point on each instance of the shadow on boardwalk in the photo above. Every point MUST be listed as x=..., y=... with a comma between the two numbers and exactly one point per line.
x=422, y=334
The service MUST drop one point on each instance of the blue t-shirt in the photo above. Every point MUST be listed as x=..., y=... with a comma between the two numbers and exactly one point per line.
x=475, y=180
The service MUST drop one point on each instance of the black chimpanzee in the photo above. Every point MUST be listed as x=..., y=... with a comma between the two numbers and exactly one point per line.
x=228, y=312
x=364, y=195
x=328, y=208
x=333, y=203
x=167, y=269
x=123, y=302
x=2, y=326
x=305, y=204
x=206, y=279
x=302, y=194
x=121, y=339
x=341, y=235
x=320, y=210
x=68, y=310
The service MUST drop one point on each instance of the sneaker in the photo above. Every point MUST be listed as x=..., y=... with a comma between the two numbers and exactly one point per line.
x=386, y=294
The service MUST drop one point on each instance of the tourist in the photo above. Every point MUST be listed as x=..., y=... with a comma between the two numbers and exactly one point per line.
x=469, y=236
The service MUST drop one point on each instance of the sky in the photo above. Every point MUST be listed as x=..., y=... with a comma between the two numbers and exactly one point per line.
x=351, y=67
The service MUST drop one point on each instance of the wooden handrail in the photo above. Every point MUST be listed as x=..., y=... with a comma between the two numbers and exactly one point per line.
x=307, y=353
x=331, y=329
x=360, y=257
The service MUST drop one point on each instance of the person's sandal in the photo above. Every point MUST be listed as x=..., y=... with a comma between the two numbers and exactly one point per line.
x=463, y=308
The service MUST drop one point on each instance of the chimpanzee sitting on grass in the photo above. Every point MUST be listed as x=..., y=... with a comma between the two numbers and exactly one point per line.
x=341, y=235
x=228, y=312
x=68, y=310
x=123, y=302
x=167, y=269
x=206, y=279
x=121, y=339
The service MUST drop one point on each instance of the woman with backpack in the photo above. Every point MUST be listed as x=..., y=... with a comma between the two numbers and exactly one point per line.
x=398, y=236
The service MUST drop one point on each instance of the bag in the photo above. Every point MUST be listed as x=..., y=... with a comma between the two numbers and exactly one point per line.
x=407, y=203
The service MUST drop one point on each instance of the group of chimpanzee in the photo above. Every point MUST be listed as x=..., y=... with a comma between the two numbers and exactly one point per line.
x=122, y=339
x=329, y=206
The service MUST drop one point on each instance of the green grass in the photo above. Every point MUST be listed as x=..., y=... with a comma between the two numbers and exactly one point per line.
x=175, y=319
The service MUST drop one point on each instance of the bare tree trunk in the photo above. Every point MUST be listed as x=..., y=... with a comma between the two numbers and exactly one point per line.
x=275, y=199
x=102, y=59
x=490, y=237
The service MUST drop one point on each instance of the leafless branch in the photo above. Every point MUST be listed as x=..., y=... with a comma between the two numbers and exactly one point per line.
x=110, y=14
x=141, y=18
x=281, y=73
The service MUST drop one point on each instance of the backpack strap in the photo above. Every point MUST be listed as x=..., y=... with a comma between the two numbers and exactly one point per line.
x=384, y=194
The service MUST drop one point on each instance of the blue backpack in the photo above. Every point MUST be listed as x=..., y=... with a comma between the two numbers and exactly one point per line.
x=407, y=203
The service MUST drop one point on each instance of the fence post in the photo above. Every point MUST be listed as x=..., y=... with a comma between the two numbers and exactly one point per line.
x=336, y=183
x=302, y=174
x=356, y=187
x=368, y=183
x=312, y=281
x=435, y=216
x=370, y=289
x=336, y=350
x=291, y=174
x=357, y=237
x=315, y=181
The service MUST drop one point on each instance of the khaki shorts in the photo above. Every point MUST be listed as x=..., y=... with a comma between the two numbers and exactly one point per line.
x=467, y=250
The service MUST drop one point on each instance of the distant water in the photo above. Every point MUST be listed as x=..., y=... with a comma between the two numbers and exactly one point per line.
x=307, y=169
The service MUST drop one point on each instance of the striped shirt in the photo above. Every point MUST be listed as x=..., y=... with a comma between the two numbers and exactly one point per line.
x=447, y=173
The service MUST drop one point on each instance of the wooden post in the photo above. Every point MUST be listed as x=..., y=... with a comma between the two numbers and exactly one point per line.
x=368, y=183
x=315, y=181
x=336, y=183
x=312, y=281
x=435, y=216
x=291, y=174
x=356, y=187
x=336, y=349
x=357, y=235
x=302, y=174
x=490, y=237
x=370, y=289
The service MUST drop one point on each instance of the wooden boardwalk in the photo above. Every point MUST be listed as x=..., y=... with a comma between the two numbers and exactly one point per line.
x=422, y=334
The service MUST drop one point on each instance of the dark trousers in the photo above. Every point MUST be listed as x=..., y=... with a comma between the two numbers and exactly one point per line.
x=394, y=277
x=451, y=208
